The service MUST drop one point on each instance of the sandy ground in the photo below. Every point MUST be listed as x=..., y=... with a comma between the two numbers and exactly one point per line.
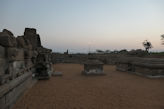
x=116, y=90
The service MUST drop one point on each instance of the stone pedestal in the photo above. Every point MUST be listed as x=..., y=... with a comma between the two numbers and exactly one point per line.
x=93, y=67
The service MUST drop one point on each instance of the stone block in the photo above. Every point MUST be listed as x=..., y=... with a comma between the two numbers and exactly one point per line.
x=15, y=69
x=160, y=71
x=20, y=54
x=10, y=95
x=34, y=38
x=93, y=67
x=29, y=31
x=57, y=74
x=23, y=43
x=2, y=102
x=93, y=72
x=15, y=54
x=122, y=67
x=4, y=79
x=2, y=52
x=18, y=67
x=149, y=71
x=8, y=32
x=12, y=91
x=3, y=66
x=28, y=63
x=28, y=54
x=141, y=70
x=13, y=94
x=7, y=39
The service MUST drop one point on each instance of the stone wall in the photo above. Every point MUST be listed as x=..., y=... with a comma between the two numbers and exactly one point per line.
x=149, y=67
x=19, y=60
x=110, y=59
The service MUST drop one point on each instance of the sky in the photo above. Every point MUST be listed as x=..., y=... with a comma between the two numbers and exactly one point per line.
x=87, y=25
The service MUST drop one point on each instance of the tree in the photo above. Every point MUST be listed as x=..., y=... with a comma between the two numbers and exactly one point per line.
x=162, y=36
x=123, y=51
x=107, y=51
x=99, y=51
x=147, y=45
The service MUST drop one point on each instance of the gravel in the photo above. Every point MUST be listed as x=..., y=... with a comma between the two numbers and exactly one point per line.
x=116, y=90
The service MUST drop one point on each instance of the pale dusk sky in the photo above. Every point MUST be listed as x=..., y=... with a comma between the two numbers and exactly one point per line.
x=78, y=25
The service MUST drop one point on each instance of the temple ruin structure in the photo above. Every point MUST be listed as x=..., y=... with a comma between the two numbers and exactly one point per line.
x=23, y=60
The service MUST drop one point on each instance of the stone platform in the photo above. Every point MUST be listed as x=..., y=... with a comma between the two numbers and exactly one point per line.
x=148, y=67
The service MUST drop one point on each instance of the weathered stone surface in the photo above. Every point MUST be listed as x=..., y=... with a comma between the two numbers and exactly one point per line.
x=15, y=53
x=34, y=39
x=28, y=63
x=122, y=67
x=43, y=50
x=3, y=63
x=2, y=52
x=149, y=67
x=23, y=43
x=18, y=67
x=10, y=92
x=28, y=54
x=93, y=67
x=19, y=58
x=4, y=79
x=30, y=31
x=2, y=102
x=8, y=32
x=43, y=66
x=3, y=66
x=57, y=74
x=7, y=39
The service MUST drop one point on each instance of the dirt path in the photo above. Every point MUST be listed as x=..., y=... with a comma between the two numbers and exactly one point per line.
x=116, y=90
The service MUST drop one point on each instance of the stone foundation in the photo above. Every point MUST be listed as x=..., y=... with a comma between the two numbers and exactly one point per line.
x=93, y=67
x=149, y=67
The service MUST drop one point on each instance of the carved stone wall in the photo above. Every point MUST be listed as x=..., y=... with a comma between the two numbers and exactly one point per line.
x=18, y=62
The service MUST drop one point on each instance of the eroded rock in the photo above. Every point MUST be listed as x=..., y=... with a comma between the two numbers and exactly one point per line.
x=7, y=39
